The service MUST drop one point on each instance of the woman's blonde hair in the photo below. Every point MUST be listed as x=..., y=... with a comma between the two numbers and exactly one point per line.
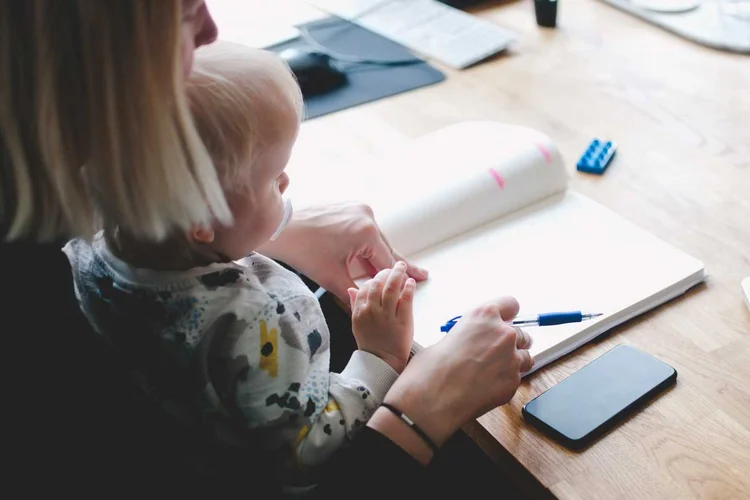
x=241, y=99
x=94, y=125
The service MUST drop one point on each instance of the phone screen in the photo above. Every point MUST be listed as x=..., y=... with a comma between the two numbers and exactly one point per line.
x=588, y=402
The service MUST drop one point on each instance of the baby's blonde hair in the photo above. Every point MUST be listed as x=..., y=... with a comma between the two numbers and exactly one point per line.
x=242, y=99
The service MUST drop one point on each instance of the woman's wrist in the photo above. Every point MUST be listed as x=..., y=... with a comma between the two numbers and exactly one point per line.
x=397, y=431
x=425, y=406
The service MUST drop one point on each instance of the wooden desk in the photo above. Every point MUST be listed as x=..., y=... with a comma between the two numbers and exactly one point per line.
x=681, y=116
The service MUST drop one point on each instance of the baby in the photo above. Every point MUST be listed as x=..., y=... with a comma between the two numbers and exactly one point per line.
x=223, y=337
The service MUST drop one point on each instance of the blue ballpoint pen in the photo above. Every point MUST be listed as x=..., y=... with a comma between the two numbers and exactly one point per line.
x=543, y=319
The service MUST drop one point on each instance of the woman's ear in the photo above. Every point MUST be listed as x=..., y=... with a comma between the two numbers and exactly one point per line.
x=203, y=235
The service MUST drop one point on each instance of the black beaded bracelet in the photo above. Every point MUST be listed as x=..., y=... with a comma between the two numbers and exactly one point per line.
x=414, y=426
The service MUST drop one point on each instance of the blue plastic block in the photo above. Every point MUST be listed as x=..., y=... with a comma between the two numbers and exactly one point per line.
x=597, y=156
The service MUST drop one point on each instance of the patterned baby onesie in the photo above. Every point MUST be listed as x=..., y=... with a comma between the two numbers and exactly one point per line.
x=235, y=348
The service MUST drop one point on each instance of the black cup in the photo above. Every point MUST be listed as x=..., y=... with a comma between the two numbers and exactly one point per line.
x=546, y=13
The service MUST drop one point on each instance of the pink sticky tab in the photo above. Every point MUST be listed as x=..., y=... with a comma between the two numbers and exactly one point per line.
x=498, y=178
x=545, y=152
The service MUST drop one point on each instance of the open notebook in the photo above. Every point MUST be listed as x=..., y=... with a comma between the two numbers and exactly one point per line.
x=486, y=209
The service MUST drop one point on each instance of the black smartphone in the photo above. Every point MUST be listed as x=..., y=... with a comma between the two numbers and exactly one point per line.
x=589, y=402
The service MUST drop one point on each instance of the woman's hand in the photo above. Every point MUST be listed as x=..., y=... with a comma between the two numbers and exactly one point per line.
x=335, y=244
x=475, y=368
x=382, y=315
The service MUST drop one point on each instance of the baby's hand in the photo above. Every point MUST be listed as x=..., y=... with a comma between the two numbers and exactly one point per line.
x=382, y=315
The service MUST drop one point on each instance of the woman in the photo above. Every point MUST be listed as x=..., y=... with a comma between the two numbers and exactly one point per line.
x=94, y=131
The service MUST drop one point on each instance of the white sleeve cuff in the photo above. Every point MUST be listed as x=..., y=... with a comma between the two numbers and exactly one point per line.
x=373, y=372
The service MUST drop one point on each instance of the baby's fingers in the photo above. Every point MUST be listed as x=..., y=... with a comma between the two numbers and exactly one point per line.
x=359, y=298
x=352, y=297
x=375, y=288
x=406, y=300
x=393, y=286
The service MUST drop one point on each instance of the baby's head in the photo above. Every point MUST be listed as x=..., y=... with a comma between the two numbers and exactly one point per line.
x=247, y=108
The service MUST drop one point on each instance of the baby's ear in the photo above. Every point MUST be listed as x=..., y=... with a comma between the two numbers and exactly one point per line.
x=200, y=234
